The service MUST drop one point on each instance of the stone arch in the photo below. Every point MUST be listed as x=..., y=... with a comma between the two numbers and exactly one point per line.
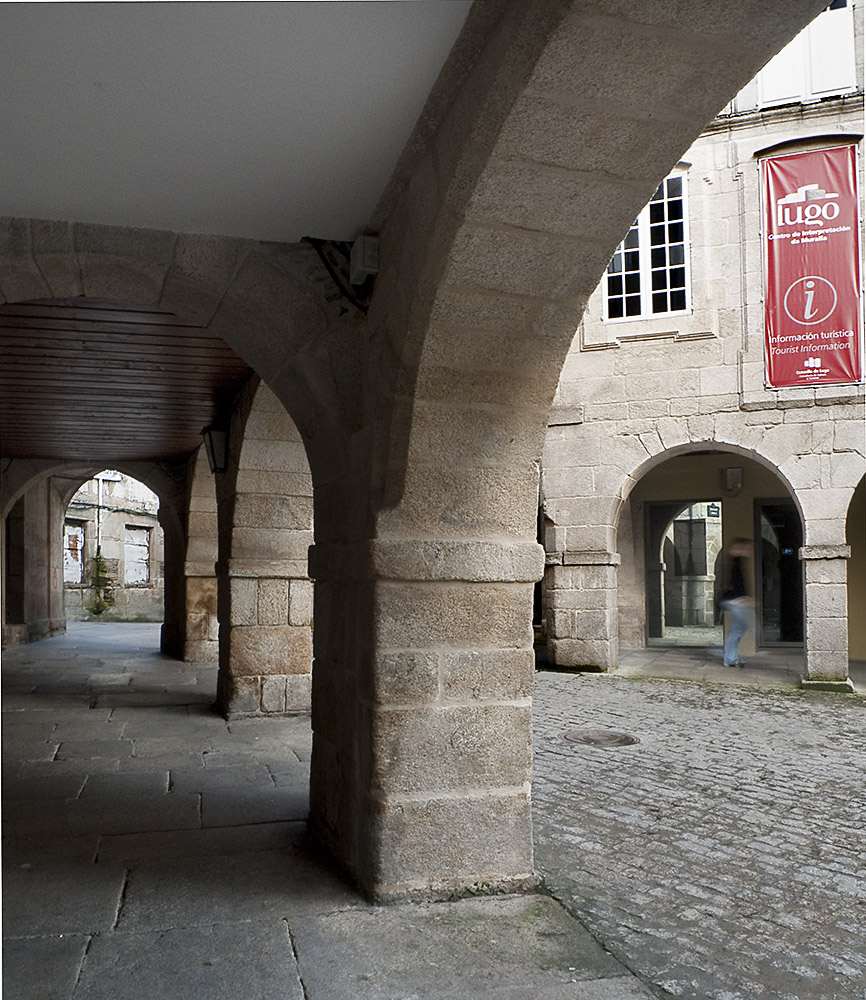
x=700, y=473
x=510, y=219
x=424, y=435
x=590, y=544
x=271, y=303
x=49, y=485
x=265, y=595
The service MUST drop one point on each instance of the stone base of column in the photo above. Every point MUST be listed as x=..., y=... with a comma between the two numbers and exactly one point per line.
x=263, y=694
x=581, y=610
x=201, y=650
x=840, y=687
x=412, y=841
x=15, y=635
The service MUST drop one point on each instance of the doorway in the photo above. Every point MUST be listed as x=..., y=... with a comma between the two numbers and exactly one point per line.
x=779, y=574
x=683, y=564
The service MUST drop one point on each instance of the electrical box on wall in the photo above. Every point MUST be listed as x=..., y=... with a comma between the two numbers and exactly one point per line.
x=363, y=259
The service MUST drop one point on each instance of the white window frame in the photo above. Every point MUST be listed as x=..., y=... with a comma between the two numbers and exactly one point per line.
x=826, y=41
x=148, y=534
x=644, y=249
x=80, y=528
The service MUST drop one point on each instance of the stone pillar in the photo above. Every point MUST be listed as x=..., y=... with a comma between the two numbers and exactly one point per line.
x=201, y=634
x=33, y=567
x=172, y=633
x=581, y=615
x=265, y=639
x=421, y=767
x=201, y=642
x=825, y=572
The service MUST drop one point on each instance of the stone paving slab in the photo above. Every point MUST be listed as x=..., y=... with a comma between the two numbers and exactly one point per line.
x=248, y=777
x=43, y=968
x=191, y=892
x=132, y=813
x=511, y=946
x=237, y=808
x=49, y=849
x=61, y=898
x=47, y=768
x=133, y=847
x=252, y=961
x=51, y=786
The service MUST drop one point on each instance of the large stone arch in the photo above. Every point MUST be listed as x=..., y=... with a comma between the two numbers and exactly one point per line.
x=554, y=136
x=424, y=431
x=265, y=530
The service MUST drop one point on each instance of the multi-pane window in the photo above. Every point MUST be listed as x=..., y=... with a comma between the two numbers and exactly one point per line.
x=136, y=555
x=820, y=62
x=648, y=273
x=73, y=552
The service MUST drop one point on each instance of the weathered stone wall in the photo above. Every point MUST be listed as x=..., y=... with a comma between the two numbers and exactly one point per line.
x=33, y=566
x=124, y=502
x=633, y=392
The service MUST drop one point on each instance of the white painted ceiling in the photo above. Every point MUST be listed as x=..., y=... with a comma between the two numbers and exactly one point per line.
x=265, y=120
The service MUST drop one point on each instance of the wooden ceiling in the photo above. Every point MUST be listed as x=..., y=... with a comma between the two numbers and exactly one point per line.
x=104, y=382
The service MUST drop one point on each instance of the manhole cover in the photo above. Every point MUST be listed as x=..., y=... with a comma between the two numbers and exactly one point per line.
x=600, y=738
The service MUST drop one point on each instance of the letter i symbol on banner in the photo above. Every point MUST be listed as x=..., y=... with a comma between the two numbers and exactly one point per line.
x=809, y=312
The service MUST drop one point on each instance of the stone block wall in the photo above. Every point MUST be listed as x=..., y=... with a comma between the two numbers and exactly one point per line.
x=264, y=595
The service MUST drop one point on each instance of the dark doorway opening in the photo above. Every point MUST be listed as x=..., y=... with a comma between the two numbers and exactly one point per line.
x=779, y=573
x=683, y=550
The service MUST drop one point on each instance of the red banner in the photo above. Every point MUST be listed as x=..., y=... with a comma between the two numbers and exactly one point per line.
x=811, y=268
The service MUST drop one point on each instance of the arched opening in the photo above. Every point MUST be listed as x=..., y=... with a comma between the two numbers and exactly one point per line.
x=683, y=557
x=113, y=552
x=265, y=594
x=674, y=527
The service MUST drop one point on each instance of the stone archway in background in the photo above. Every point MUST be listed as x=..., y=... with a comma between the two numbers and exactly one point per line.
x=46, y=487
x=265, y=594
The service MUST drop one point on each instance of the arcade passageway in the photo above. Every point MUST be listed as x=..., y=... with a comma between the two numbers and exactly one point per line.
x=397, y=396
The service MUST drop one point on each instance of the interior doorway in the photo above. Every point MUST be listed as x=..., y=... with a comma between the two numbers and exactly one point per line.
x=778, y=571
x=683, y=572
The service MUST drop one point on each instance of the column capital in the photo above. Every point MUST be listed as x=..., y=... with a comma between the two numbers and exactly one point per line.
x=424, y=560
x=825, y=552
x=590, y=557
x=263, y=569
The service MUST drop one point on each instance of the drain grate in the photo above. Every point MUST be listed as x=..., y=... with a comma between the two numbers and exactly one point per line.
x=600, y=738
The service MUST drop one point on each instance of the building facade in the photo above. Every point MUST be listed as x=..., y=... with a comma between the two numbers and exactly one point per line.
x=118, y=516
x=664, y=441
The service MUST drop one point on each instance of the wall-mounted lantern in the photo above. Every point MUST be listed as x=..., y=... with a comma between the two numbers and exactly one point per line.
x=216, y=444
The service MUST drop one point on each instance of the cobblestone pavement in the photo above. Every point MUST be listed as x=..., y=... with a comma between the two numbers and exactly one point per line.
x=722, y=857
